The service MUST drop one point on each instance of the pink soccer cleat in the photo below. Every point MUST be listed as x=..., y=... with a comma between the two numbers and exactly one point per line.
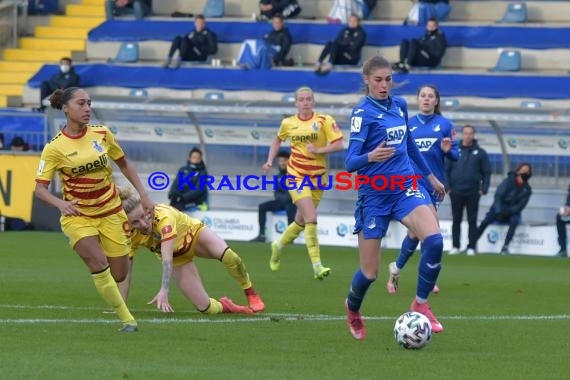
x=423, y=308
x=355, y=323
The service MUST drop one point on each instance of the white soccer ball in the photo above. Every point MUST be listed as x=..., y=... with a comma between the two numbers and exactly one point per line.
x=412, y=330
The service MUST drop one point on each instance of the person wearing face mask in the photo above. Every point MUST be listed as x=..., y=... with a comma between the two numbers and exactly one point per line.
x=184, y=197
x=511, y=197
x=66, y=77
x=426, y=51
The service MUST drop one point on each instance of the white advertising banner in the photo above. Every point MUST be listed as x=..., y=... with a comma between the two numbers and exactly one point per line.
x=528, y=240
x=526, y=144
x=230, y=225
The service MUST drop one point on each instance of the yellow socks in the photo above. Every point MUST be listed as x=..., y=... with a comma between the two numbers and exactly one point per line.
x=236, y=268
x=312, y=243
x=293, y=230
x=215, y=307
x=108, y=289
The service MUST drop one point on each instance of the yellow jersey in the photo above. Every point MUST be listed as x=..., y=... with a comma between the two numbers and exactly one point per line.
x=83, y=163
x=319, y=130
x=168, y=223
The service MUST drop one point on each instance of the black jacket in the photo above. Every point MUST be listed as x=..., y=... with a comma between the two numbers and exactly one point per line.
x=433, y=46
x=471, y=172
x=352, y=40
x=282, y=194
x=64, y=80
x=187, y=197
x=205, y=41
x=568, y=198
x=285, y=8
x=511, y=199
x=281, y=38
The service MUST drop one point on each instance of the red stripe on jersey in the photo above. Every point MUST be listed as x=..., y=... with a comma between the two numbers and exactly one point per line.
x=43, y=181
x=300, y=156
x=83, y=180
x=340, y=138
x=89, y=194
x=309, y=168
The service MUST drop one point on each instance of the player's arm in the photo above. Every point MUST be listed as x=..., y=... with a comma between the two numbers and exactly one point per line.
x=273, y=149
x=66, y=208
x=451, y=143
x=161, y=298
x=130, y=173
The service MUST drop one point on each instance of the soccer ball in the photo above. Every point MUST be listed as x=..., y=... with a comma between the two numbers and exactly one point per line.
x=412, y=330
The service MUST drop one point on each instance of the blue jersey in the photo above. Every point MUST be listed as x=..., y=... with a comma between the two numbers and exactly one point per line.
x=373, y=122
x=428, y=131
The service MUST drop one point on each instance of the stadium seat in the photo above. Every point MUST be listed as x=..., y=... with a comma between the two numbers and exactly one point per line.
x=515, y=12
x=531, y=104
x=288, y=98
x=449, y=103
x=214, y=8
x=138, y=92
x=509, y=60
x=214, y=96
x=128, y=53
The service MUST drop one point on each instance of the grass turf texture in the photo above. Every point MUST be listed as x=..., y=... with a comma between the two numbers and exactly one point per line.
x=504, y=318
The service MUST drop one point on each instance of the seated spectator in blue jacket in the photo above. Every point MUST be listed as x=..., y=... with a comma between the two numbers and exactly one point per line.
x=426, y=51
x=346, y=49
x=281, y=202
x=64, y=78
x=140, y=8
x=269, y=52
x=284, y=8
x=511, y=197
x=185, y=197
x=423, y=10
x=195, y=46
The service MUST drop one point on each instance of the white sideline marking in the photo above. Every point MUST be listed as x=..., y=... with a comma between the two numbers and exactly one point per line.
x=263, y=317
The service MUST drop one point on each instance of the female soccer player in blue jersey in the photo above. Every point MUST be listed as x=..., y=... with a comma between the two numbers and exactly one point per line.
x=380, y=144
x=435, y=137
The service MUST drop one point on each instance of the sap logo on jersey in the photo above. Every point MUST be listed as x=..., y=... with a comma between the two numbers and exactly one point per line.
x=395, y=135
x=425, y=144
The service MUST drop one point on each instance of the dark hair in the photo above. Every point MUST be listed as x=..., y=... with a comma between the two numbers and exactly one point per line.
x=519, y=167
x=372, y=63
x=468, y=126
x=195, y=150
x=284, y=154
x=200, y=17
x=66, y=59
x=61, y=97
x=437, y=108
x=434, y=19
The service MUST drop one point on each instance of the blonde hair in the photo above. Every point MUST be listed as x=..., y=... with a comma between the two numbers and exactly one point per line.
x=129, y=198
x=301, y=89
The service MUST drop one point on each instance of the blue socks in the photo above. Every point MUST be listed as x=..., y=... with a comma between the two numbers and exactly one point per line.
x=409, y=245
x=358, y=289
x=430, y=265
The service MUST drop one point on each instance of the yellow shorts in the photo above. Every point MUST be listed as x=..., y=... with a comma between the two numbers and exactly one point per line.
x=305, y=191
x=193, y=233
x=114, y=240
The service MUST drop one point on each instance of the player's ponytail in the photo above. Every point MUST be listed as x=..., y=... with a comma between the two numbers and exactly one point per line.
x=129, y=198
x=61, y=97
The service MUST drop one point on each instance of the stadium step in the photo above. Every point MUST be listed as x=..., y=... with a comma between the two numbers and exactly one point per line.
x=93, y=2
x=45, y=56
x=61, y=32
x=76, y=22
x=14, y=78
x=85, y=10
x=3, y=101
x=11, y=89
x=33, y=43
x=20, y=66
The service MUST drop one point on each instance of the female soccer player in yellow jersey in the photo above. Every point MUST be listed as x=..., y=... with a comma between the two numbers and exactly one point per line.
x=312, y=135
x=92, y=216
x=176, y=238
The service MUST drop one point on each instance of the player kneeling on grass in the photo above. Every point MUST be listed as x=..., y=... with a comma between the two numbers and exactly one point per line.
x=176, y=238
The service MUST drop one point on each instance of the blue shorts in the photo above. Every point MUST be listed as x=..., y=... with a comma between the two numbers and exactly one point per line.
x=374, y=212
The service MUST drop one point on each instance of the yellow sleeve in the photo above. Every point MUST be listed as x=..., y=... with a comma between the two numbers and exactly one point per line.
x=166, y=225
x=332, y=130
x=48, y=165
x=114, y=150
x=283, y=133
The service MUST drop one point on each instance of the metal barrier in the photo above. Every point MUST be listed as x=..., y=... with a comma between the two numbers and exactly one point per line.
x=13, y=16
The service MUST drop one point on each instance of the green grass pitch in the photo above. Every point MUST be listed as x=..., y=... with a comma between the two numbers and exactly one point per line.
x=504, y=318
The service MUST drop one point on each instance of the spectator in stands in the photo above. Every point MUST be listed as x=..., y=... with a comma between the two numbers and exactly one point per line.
x=66, y=77
x=343, y=9
x=346, y=49
x=562, y=219
x=195, y=46
x=183, y=197
x=284, y=8
x=427, y=51
x=511, y=198
x=1, y=141
x=140, y=8
x=468, y=179
x=18, y=144
x=423, y=10
x=282, y=199
x=269, y=52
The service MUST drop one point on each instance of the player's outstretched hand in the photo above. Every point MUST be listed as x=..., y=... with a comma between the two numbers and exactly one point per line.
x=446, y=144
x=266, y=167
x=161, y=301
x=437, y=186
x=381, y=153
x=68, y=208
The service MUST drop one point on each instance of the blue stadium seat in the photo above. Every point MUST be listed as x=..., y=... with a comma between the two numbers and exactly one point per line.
x=289, y=98
x=449, y=103
x=214, y=8
x=128, y=53
x=515, y=12
x=138, y=92
x=214, y=96
x=509, y=60
x=531, y=104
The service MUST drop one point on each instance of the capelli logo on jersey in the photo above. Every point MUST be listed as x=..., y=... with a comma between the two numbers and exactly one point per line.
x=99, y=163
x=303, y=138
x=395, y=135
x=425, y=144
